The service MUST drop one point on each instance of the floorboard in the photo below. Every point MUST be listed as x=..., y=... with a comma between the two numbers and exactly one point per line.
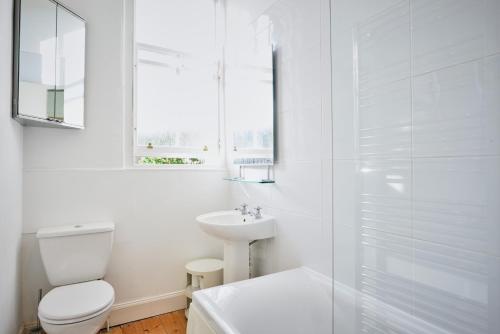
x=169, y=323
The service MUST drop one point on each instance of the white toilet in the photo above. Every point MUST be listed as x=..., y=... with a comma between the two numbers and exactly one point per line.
x=75, y=258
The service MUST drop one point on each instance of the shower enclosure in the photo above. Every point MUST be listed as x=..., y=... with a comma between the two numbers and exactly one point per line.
x=416, y=137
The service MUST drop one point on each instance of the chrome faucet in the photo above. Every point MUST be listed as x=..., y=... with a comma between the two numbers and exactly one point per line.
x=243, y=209
x=257, y=214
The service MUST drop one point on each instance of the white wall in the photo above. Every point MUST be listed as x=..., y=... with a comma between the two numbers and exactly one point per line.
x=11, y=163
x=416, y=116
x=73, y=176
x=301, y=199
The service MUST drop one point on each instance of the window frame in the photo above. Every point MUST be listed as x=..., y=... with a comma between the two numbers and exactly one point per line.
x=215, y=160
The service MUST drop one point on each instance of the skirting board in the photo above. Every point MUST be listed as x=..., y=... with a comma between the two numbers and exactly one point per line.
x=146, y=307
x=122, y=313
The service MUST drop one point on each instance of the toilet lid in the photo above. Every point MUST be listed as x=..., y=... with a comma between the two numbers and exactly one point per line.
x=76, y=301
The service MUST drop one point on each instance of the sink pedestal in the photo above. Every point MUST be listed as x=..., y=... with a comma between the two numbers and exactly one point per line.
x=236, y=261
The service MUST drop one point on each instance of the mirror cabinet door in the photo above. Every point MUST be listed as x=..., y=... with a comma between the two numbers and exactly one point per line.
x=70, y=68
x=37, y=67
x=50, y=56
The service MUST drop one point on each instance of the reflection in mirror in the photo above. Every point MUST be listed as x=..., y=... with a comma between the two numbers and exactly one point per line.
x=70, y=68
x=36, y=59
x=252, y=82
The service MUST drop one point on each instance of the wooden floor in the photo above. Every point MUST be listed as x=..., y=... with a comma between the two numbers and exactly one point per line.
x=170, y=323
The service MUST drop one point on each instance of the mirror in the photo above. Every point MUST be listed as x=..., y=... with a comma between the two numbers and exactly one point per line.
x=251, y=81
x=70, y=68
x=49, y=65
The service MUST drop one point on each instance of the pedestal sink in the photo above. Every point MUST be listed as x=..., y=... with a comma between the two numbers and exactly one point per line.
x=236, y=230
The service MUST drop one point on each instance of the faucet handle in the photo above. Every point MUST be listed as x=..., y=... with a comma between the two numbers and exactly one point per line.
x=243, y=209
x=258, y=214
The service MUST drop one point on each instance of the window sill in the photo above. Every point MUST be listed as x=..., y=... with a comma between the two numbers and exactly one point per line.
x=210, y=168
x=215, y=168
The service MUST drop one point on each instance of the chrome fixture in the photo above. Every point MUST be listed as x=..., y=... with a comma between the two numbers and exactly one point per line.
x=256, y=213
x=243, y=209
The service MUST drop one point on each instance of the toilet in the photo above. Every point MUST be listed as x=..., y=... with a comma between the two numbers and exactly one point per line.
x=75, y=258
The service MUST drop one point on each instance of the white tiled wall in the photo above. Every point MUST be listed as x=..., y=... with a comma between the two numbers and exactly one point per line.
x=301, y=199
x=416, y=127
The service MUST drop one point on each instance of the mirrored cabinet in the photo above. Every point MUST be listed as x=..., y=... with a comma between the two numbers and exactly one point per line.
x=49, y=65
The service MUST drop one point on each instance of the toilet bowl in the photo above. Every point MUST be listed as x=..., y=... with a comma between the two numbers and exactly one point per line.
x=80, y=308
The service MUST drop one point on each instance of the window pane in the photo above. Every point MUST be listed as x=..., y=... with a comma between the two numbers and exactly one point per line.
x=176, y=83
x=183, y=25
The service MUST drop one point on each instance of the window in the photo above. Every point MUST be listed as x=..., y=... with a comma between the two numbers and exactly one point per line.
x=177, y=84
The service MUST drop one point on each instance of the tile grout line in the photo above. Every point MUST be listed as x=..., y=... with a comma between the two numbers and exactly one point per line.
x=412, y=176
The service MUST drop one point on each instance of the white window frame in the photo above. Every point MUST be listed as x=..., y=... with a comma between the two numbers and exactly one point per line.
x=217, y=160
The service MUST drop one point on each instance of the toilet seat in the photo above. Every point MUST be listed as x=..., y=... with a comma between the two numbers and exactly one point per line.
x=76, y=302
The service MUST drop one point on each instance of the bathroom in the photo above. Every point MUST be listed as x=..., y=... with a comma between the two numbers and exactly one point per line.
x=370, y=206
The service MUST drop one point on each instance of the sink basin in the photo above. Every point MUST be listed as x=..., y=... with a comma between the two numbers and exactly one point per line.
x=232, y=225
x=236, y=230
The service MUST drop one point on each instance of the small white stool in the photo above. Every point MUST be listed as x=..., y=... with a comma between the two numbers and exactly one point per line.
x=202, y=274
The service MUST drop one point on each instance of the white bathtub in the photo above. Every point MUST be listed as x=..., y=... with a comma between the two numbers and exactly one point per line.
x=294, y=301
